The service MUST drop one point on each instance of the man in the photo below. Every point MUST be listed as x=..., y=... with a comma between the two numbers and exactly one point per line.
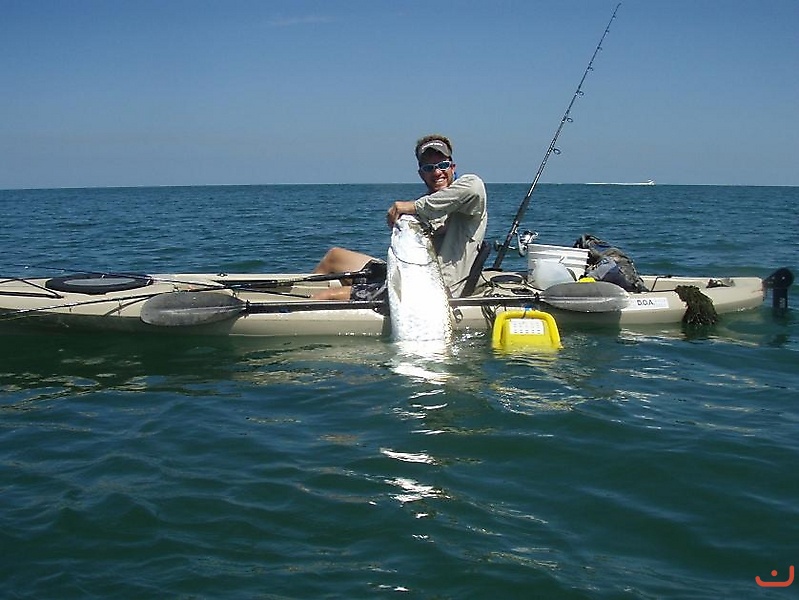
x=454, y=207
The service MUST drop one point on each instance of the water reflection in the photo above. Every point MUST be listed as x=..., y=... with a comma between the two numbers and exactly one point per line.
x=422, y=361
x=411, y=457
x=411, y=490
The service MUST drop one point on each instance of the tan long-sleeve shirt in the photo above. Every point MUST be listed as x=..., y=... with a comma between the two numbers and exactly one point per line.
x=459, y=215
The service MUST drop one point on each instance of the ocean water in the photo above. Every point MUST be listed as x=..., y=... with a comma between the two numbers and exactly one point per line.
x=649, y=463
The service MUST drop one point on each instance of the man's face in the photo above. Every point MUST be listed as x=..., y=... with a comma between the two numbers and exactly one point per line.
x=436, y=179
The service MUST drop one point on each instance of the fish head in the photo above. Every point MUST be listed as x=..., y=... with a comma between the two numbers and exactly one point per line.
x=410, y=242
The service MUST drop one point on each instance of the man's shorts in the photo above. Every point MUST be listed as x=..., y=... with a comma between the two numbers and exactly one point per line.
x=373, y=285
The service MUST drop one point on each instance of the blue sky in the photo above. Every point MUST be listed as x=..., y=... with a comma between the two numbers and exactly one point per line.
x=160, y=92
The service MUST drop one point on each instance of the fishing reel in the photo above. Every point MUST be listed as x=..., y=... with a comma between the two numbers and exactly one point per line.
x=523, y=240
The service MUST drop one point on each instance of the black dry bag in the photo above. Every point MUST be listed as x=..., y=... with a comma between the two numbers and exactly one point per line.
x=608, y=263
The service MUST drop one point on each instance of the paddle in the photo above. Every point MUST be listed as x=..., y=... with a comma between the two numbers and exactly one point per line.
x=587, y=297
x=180, y=309
x=183, y=309
x=248, y=283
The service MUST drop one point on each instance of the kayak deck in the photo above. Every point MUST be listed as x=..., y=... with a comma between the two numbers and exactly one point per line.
x=288, y=309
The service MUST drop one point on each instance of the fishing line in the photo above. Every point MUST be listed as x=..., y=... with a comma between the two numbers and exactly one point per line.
x=410, y=262
x=551, y=150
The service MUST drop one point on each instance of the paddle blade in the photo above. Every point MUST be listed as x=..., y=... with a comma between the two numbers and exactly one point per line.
x=184, y=309
x=589, y=297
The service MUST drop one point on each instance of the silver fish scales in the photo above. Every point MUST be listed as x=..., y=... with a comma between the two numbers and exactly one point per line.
x=417, y=297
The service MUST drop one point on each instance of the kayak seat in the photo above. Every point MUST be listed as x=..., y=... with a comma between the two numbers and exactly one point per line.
x=483, y=250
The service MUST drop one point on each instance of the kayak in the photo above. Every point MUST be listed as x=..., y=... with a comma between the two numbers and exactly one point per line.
x=283, y=305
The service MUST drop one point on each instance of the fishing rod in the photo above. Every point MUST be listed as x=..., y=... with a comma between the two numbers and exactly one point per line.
x=551, y=150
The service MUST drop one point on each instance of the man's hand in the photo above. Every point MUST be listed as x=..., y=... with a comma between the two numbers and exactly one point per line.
x=398, y=209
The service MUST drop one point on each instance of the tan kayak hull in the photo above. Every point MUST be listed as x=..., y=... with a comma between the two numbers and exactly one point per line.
x=25, y=303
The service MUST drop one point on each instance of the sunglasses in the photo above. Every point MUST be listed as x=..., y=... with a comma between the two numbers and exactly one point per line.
x=443, y=165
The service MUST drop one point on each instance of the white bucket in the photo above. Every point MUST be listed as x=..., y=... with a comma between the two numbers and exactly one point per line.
x=574, y=259
x=548, y=272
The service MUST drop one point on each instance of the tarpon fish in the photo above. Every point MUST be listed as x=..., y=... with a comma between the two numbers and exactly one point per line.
x=417, y=298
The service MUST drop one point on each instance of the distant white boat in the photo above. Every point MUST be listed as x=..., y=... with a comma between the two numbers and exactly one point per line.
x=647, y=182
